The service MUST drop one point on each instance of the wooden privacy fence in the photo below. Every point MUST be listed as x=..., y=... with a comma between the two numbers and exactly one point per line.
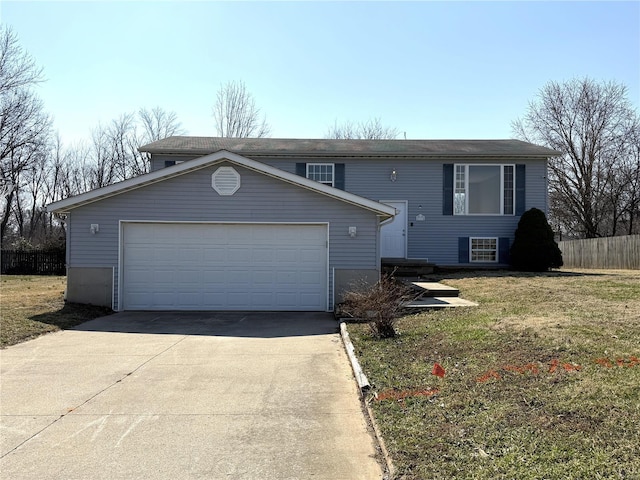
x=608, y=252
x=34, y=262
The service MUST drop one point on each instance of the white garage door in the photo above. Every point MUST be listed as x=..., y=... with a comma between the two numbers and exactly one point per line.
x=183, y=266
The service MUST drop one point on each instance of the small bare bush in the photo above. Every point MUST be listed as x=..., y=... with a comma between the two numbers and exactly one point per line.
x=380, y=304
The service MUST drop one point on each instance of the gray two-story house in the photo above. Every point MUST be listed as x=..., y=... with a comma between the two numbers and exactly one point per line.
x=289, y=224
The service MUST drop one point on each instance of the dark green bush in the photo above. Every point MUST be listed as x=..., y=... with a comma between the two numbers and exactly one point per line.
x=534, y=248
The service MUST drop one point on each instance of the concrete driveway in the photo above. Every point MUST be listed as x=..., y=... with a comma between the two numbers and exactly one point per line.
x=184, y=395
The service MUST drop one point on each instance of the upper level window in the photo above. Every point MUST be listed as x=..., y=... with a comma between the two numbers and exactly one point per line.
x=484, y=190
x=321, y=172
x=171, y=163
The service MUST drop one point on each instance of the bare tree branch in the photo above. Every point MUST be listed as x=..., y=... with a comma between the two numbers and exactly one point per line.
x=372, y=129
x=235, y=113
x=158, y=124
x=592, y=124
x=17, y=67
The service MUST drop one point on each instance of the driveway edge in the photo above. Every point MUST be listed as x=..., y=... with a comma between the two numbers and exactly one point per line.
x=361, y=378
x=365, y=386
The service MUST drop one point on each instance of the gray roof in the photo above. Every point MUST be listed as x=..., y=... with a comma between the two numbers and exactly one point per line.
x=180, y=145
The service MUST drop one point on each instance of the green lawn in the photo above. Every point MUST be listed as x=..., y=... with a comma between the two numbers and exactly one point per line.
x=542, y=379
x=32, y=305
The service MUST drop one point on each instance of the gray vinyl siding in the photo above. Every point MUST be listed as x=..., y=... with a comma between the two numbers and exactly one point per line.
x=190, y=198
x=419, y=181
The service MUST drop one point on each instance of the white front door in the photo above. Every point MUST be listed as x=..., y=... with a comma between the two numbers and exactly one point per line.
x=393, y=235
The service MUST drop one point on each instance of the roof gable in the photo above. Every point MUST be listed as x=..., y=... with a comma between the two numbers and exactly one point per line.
x=208, y=161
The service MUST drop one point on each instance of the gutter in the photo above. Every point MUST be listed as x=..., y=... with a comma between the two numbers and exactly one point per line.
x=307, y=154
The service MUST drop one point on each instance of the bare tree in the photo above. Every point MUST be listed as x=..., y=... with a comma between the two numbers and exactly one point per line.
x=591, y=124
x=35, y=169
x=372, y=129
x=630, y=173
x=102, y=167
x=155, y=124
x=24, y=126
x=235, y=113
x=158, y=124
x=80, y=167
x=56, y=188
x=17, y=68
x=112, y=154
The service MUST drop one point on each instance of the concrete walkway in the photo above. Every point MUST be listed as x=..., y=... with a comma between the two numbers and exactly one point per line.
x=184, y=396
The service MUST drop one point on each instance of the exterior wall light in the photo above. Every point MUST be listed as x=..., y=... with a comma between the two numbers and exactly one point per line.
x=352, y=232
x=95, y=228
x=394, y=175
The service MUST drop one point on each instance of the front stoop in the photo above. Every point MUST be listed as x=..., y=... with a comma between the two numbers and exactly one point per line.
x=436, y=295
x=403, y=267
x=435, y=289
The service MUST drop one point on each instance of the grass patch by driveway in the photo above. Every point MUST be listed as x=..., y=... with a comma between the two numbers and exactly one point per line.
x=33, y=305
x=542, y=379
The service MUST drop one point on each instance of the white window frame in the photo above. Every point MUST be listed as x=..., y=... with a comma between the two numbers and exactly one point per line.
x=324, y=182
x=461, y=187
x=471, y=250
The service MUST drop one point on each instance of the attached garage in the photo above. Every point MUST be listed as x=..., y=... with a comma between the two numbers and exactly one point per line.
x=220, y=266
x=219, y=232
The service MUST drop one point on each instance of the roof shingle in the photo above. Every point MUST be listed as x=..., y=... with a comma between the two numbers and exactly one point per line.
x=360, y=148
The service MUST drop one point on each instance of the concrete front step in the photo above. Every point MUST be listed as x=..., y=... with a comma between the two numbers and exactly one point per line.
x=435, y=289
x=440, y=302
x=437, y=295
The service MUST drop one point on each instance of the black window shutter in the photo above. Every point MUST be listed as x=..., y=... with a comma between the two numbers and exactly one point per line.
x=503, y=250
x=338, y=178
x=301, y=169
x=520, y=189
x=463, y=249
x=447, y=189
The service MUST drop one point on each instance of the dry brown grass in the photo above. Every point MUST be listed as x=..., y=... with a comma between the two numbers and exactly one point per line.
x=33, y=305
x=564, y=401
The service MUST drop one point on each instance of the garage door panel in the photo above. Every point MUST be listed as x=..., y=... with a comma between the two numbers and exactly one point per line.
x=237, y=300
x=262, y=255
x=287, y=255
x=212, y=278
x=310, y=298
x=262, y=278
x=213, y=254
x=215, y=266
x=237, y=236
x=286, y=277
x=190, y=276
x=287, y=299
x=190, y=298
x=265, y=298
x=161, y=253
x=238, y=277
x=313, y=254
x=189, y=254
x=138, y=253
x=238, y=256
x=213, y=300
x=139, y=275
x=309, y=278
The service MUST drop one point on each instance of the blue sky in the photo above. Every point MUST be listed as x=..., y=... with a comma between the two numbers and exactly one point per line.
x=431, y=69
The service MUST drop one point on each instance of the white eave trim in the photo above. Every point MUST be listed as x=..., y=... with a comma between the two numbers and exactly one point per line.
x=70, y=203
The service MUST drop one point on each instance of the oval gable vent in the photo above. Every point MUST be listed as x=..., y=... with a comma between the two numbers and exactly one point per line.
x=225, y=181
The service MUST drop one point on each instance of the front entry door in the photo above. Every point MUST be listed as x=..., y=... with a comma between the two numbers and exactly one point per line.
x=393, y=241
